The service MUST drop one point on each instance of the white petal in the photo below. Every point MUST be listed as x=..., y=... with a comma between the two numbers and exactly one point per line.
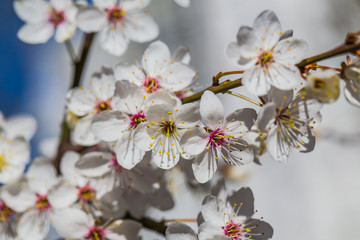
x=166, y=155
x=281, y=98
x=130, y=73
x=33, y=224
x=18, y=196
x=276, y=146
x=36, y=33
x=68, y=170
x=284, y=77
x=240, y=121
x=21, y=125
x=162, y=97
x=211, y=231
x=32, y=11
x=255, y=81
x=72, y=223
x=177, y=77
x=83, y=135
x=91, y=19
x=211, y=110
x=12, y=173
x=159, y=113
x=290, y=50
x=142, y=138
x=135, y=5
x=140, y=27
x=103, y=85
x=156, y=58
x=128, y=97
x=194, y=141
x=128, y=155
x=188, y=115
x=180, y=231
x=113, y=40
x=63, y=195
x=94, y=164
x=182, y=55
x=205, y=165
x=213, y=210
x=183, y=3
x=41, y=176
x=80, y=101
x=65, y=31
x=103, y=4
x=267, y=28
x=266, y=116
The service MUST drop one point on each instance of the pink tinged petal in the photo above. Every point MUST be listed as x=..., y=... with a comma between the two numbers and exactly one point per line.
x=183, y=3
x=94, y=164
x=290, y=51
x=142, y=138
x=65, y=31
x=130, y=73
x=113, y=40
x=180, y=231
x=80, y=101
x=177, y=77
x=134, y=5
x=256, y=81
x=211, y=231
x=268, y=29
x=266, y=116
x=103, y=4
x=140, y=27
x=68, y=170
x=124, y=229
x=277, y=147
x=187, y=116
x=18, y=196
x=41, y=176
x=205, y=165
x=128, y=97
x=83, y=135
x=156, y=58
x=103, y=85
x=91, y=19
x=62, y=195
x=182, y=55
x=213, y=210
x=32, y=11
x=110, y=125
x=34, y=224
x=128, y=155
x=72, y=223
x=36, y=33
x=21, y=125
x=240, y=121
x=159, y=113
x=211, y=110
x=194, y=141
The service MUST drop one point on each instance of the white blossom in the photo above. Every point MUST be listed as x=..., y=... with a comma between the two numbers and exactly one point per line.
x=43, y=18
x=159, y=70
x=323, y=85
x=219, y=139
x=118, y=23
x=268, y=58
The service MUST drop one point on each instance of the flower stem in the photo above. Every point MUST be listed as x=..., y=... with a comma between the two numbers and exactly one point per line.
x=221, y=74
x=181, y=220
x=244, y=97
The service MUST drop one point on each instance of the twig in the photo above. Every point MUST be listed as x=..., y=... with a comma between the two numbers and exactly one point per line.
x=149, y=223
x=244, y=97
x=221, y=74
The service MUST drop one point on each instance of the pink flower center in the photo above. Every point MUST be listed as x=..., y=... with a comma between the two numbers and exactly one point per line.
x=5, y=212
x=86, y=193
x=95, y=233
x=42, y=203
x=116, y=164
x=136, y=119
x=216, y=137
x=56, y=17
x=151, y=84
x=265, y=59
x=234, y=230
x=103, y=106
x=115, y=14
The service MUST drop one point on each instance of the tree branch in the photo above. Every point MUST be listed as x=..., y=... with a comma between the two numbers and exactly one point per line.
x=149, y=223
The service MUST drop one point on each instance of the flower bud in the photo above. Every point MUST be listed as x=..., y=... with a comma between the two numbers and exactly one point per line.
x=352, y=80
x=323, y=85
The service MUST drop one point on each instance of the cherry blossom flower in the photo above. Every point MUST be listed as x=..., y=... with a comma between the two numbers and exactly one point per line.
x=43, y=18
x=161, y=133
x=86, y=102
x=288, y=123
x=8, y=222
x=18, y=126
x=159, y=70
x=268, y=58
x=352, y=80
x=73, y=223
x=119, y=22
x=219, y=139
x=323, y=85
x=30, y=195
x=119, y=124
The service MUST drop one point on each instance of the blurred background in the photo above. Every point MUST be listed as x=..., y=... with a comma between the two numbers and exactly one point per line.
x=313, y=196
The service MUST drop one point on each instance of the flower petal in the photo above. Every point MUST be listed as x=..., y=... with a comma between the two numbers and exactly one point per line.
x=211, y=110
x=80, y=101
x=128, y=97
x=140, y=27
x=33, y=224
x=255, y=81
x=130, y=73
x=65, y=31
x=290, y=51
x=194, y=141
x=156, y=58
x=82, y=134
x=94, y=164
x=41, y=176
x=177, y=76
x=36, y=33
x=113, y=40
x=21, y=125
x=32, y=11
x=188, y=115
x=240, y=121
x=180, y=231
x=103, y=4
x=267, y=28
x=128, y=155
x=205, y=165
x=284, y=77
x=91, y=19
x=62, y=195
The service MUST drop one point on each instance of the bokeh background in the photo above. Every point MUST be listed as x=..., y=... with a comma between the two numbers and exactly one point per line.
x=313, y=196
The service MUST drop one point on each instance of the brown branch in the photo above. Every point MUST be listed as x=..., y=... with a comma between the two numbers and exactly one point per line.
x=149, y=223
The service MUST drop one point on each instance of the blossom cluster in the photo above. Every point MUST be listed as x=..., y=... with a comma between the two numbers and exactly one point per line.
x=130, y=123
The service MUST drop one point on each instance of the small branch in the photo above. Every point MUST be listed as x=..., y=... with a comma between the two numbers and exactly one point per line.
x=181, y=220
x=222, y=88
x=244, y=97
x=149, y=223
x=221, y=74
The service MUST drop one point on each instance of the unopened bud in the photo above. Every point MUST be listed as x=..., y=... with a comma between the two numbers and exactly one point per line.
x=323, y=85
